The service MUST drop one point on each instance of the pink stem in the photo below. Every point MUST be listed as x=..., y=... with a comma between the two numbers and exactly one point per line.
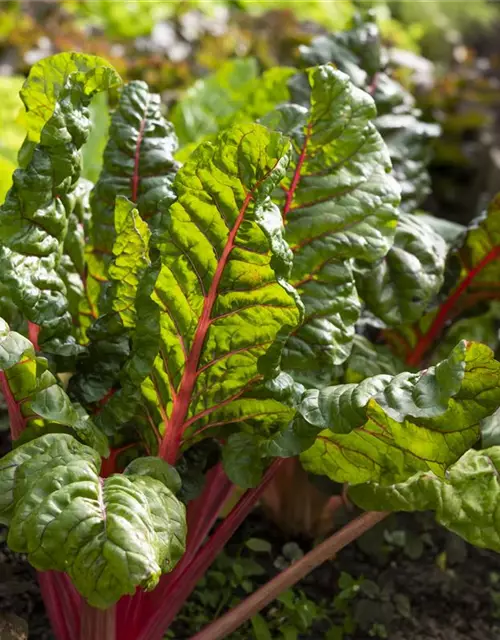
x=33, y=332
x=64, y=622
x=446, y=309
x=97, y=624
x=16, y=419
x=177, y=586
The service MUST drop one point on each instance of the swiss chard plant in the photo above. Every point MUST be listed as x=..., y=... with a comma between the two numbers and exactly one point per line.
x=199, y=315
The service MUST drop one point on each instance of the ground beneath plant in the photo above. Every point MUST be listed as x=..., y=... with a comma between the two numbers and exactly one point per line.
x=431, y=585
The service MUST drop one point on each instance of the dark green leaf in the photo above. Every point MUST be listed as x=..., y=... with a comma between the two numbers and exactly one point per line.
x=110, y=536
x=399, y=288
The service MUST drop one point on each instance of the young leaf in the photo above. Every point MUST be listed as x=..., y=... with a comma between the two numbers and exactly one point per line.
x=464, y=499
x=138, y=164
x=110, y=536
x=36, y=402
x=33, y=219
x=387, y=428
x=399, y=288
x=339, y=203
x=223, y=300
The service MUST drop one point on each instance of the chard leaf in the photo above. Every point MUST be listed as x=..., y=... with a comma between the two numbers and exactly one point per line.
x=399, y=288
x=33, y=219
x=387, y=428
x=225, y=308
x=464, y=499
x=37, y=403
x=359, y=54
x=481, y=250
x=368, y=360
x=138, y=164
x=339, y=203
x=100, y=366
x=130, y=259
x=109, y=535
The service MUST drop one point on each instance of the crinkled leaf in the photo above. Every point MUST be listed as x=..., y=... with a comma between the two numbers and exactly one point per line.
x=110, y=536
x=339, y=203
x=138, y=164
x=33, y=219
x=48, y=81
x=225, y=307
x=130, y=259
x=36, y=395
x=465, y=500
x=387, y=428
x=156, y=468
x=399, y=287
x=359, y=54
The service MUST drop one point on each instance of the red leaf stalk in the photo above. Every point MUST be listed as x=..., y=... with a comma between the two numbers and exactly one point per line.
x=446, y=309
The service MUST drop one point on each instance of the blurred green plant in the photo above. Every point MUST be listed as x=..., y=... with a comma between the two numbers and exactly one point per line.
x=13, y=131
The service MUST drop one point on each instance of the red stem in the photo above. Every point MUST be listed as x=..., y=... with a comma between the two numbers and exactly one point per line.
x=296, y=176
x=416, y=356
x=62, y=603
x=97, y=624
x=16, y=419
x=137, y=157
x=33, y=332
x=170, y=446
x=177, y=586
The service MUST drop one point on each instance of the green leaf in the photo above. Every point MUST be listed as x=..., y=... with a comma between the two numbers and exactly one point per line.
x=464, y=499
x=39, y=401
x=93, y=150
x=260, y=628
x=359, y=54
x=399, y=288
x=47, y=85
x=110, y=536
x=339, y=203
x=155, y=468
x=33, y=219
x=13, y=132
x=130, y=259
x=225, y=306
x=258, y=545
x=242, y=460
x=367, y=360
x=480, y=249
x=138, y=164
x=71, y=267
x=387, y=428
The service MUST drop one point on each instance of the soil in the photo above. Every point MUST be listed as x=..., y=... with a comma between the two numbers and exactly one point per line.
x=452, y=602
